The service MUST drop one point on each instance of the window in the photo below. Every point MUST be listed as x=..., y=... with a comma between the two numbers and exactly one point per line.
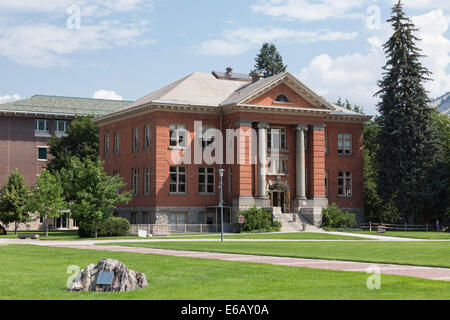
x=135, y=182
x=177, y=179
x=61, y=126
x=147, y=181
x=205, y=180
x=42, y=153
x=326, y=183
x=135, y=139
x=42, y=126
x=146, y=217
x=133, y=218
x=276, y=139
x=177, y=135
x=207, y=136
x=147, y=137
x=277, y=166
x=282, y=98
x=344, y=143
x=208, y=218
x=326, y=143
x=116, y=143
x=345, y=184
x=230, y=180
x=116, y=174
x=106, y=149
x=177, y=221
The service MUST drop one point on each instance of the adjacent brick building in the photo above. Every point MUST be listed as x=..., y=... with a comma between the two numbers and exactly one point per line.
x=309, y=151
x=27, y=125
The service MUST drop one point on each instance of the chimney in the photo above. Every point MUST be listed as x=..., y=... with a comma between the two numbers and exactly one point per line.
x=256, y=76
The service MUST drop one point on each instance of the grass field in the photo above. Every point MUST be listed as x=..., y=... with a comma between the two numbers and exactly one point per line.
x=73, y=236
x=35, y=272
x=413, y=234
x=435, y=254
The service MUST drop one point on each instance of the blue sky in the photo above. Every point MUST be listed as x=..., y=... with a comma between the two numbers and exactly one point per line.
x=124, y=49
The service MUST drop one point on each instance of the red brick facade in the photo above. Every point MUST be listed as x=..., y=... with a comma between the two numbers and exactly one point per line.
x=322, y=160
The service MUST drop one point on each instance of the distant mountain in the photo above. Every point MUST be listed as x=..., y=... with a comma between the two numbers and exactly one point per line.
x=442, y=103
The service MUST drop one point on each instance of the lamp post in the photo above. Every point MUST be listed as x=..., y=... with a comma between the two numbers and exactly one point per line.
x=221, y=200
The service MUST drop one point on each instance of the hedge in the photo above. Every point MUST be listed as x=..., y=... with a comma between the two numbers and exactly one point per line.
x=334, y=217
x=111, y=227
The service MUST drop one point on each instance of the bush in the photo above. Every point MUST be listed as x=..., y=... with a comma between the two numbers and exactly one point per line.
x=259, y=220
x=111, y=227
x=333, y=217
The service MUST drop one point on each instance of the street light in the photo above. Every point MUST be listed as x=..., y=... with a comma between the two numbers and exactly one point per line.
x=221, y=200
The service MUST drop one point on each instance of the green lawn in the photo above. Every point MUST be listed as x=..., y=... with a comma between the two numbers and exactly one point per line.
x=435, y=254
x=413, y=234
x=72, y=235
x=32, y=272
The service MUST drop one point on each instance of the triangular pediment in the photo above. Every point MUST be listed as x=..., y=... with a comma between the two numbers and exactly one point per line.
x=266, y=91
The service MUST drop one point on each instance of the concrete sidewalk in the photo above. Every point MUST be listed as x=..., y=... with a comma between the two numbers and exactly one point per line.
x=431, y=273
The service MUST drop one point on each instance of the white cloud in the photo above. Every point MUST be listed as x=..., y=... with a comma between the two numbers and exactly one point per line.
x=309, y=10
x=46, y=45
x=355, y=76
x=240, y=40
x=107, y=94
x=9, y=98
x=426, y=4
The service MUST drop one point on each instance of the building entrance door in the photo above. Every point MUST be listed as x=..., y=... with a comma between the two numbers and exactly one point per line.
x=280, y=199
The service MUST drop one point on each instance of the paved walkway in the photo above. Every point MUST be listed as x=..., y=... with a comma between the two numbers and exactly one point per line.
x=432, y=273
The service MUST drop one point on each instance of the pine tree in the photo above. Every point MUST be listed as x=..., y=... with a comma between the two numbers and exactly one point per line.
x=269, y=61
x=409, y=149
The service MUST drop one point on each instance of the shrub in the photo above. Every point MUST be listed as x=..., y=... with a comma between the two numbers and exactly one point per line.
x=333, y=217
x=111, y=227
x=259, y=220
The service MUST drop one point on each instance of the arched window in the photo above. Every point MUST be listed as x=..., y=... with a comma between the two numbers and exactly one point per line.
x=282, y=98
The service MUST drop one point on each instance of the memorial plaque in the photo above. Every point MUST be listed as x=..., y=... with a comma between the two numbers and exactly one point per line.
x=105, y=278
x=142, y=233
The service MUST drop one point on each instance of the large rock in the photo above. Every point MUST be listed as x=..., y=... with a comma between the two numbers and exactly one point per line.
x=123, y=278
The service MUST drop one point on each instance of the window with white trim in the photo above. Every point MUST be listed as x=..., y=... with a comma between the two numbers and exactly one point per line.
x=207, y=136
x=147, y=137
x=276, y=139
x=135, y=139
x=326, y=142
x=135, y=172
x=282, y=98
x=344, y=143
x=177, y=180
x=106, y=146
x=147, y=181
x=61, y=126
x=345, y=184
x=116, y=143
x=277, y=166
x=206, y=180
x=42, y=153
x=177, y=135
x=42, y=125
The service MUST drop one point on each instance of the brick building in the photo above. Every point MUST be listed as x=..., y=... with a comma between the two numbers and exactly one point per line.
x=309, y=152
x=27, y=125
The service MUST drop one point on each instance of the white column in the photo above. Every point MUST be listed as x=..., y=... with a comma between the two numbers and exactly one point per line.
x=300, y=161
x=262, y=159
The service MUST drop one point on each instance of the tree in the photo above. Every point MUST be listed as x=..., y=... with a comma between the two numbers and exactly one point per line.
x=348, y=105
x=409, y=147
x=82, y=142
x=47, y=198
x=269, y=61
x=13, y=199
x=94, y=192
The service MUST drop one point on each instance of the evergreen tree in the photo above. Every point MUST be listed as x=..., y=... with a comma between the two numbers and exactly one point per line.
x=409, y=149
x=348, y=105
x=269, y=61
x=13, y=199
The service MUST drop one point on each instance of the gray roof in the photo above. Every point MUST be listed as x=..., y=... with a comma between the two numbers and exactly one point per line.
x=64, y=106
x=205, y=89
